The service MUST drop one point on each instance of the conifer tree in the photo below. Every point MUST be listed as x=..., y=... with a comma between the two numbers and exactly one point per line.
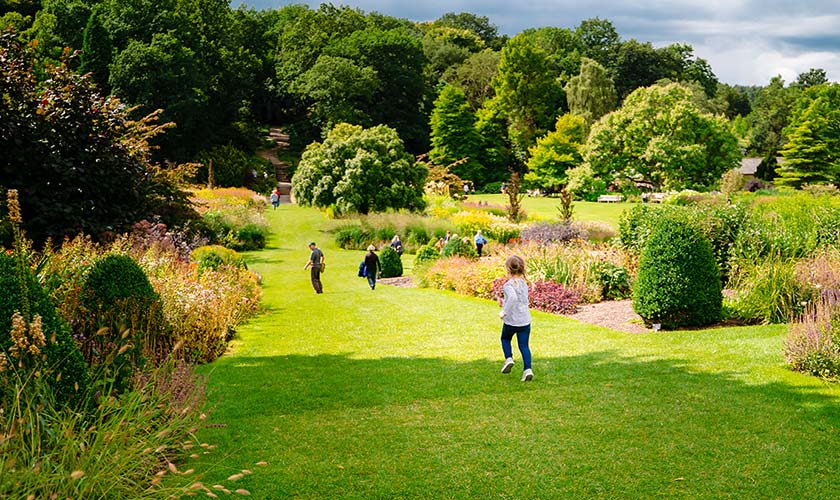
x=454, y=136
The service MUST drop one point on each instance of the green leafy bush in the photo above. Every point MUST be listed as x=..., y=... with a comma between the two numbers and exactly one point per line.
x=426, y=253
x=215, y=256
x=62, y=365
x=251, y=237
x=678, y=283
x=614, y=280
x=125, y=323
x=457, y=247
x=391, y=263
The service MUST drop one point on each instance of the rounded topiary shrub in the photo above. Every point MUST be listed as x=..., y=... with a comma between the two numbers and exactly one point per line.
x=391, y=264
x=119, y=298
x=459, y=248
x=678, y=282
x=61, y=363
x=215, y=256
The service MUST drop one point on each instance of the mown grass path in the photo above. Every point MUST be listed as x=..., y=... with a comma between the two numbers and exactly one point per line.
x=396, y=393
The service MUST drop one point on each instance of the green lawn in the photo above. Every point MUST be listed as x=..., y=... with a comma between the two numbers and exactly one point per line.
x=544, y=207
x=396, y=393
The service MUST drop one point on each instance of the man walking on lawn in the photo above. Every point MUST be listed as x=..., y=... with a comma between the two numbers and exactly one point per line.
x=316, y=260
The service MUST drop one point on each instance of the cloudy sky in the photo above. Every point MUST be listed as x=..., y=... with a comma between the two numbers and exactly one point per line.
x=746, y=41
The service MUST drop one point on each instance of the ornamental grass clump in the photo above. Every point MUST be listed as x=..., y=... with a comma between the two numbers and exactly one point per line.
x=551, y=233
x=34, y=340
x=678, y=282
x=768, y=291
x=813, y=339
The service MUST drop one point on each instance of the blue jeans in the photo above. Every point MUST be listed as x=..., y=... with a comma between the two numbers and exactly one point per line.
x=371, y=280
x=523, y=333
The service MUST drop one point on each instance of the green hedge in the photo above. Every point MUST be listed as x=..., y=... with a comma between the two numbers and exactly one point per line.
x=391, y=263
x=678, y=283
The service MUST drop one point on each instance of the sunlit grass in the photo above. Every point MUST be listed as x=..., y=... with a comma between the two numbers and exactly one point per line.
x=545, y=208
x=396, y=393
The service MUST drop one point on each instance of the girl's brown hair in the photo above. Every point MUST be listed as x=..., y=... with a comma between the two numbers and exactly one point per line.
x=515, y=265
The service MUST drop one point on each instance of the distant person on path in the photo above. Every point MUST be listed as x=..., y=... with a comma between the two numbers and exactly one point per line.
x=447, y=237
x=516, y=316
x=316, y=260
x=466, y=190
x=480, y=241
x=275, y=198
x=396, y=244
x=372, y=266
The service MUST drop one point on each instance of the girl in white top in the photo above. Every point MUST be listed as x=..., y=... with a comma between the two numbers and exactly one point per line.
x=516, y=317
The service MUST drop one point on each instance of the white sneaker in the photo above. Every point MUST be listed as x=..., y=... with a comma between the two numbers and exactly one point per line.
x=527, y=375
x=507, y=366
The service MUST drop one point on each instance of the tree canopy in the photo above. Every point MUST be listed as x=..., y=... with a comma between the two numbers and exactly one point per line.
x=661, y=139
x=359, y=170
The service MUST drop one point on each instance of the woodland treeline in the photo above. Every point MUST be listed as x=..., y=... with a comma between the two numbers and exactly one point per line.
x=475, y=100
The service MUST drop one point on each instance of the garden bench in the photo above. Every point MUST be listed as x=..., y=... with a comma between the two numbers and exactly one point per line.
x=653, y=197
x=610, y=198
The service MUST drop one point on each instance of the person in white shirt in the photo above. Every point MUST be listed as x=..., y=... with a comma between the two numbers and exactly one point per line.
x=516, y=317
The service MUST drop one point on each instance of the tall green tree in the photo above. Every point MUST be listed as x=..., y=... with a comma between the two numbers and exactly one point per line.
x=97, y=50
x=660, y=137
x=480, y=25
x=453, y=136
x=591, y=94
x=359, y=170
x=340, y=91
x=556, y=153
x=599, y=40
x=474, y=77
x=812, y=153
x=528, y=94
x=768, y=120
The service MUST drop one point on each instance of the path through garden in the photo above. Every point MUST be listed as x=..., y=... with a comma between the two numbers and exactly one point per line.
x=396, y=393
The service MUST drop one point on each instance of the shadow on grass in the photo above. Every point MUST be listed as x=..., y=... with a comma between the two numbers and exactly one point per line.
x=596, y=426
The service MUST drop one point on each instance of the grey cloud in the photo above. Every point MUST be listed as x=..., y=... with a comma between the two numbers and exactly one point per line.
x=745, y=41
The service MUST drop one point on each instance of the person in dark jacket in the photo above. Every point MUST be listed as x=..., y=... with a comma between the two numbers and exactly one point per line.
x=372, y=266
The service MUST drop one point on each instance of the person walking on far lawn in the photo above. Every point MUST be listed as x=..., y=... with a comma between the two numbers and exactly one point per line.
x=372, y=266
x=316, y=262
x=480, y=241
x=275, y=198
x=516, y=316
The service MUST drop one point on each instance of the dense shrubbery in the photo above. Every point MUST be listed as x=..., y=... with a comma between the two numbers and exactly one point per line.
x=216, y=256
x=614, y=280
x=414, y=231
x=576, y=267
x=459, y=247
x=391, y=263
x=233, y=217
x=426, y=253
x=547, y=296
x=678, y=283
x=720, y=223
x=789, y=226
x=121, y=316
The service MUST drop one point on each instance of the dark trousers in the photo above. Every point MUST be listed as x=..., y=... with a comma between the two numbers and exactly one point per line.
x=315, y=276
x=478, y=248
x=523, y=333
